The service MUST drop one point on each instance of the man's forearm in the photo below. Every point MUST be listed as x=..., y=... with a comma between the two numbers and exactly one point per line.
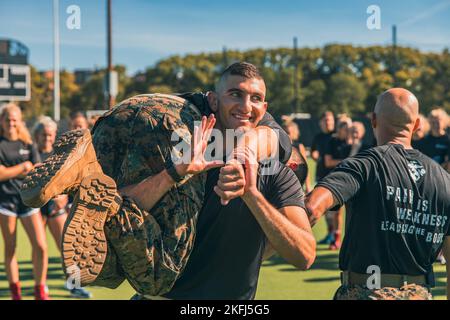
x=318, y=202
x=150, y=190
x=294, y=244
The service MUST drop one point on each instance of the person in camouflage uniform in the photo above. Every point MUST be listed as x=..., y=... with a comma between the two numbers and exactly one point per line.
x=132, y=142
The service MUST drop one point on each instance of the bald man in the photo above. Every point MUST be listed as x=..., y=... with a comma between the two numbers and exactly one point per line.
x=398, y=209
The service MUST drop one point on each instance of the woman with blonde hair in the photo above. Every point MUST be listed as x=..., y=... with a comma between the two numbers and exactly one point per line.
x=17, y=157
x=293, y=131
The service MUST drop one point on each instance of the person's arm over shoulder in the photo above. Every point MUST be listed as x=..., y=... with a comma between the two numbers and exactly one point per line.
x=198, y=99
x=284, y=142
x=342, y=184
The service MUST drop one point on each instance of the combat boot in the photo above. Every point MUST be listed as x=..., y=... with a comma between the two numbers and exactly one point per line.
x=73, y=159
x=84, y=245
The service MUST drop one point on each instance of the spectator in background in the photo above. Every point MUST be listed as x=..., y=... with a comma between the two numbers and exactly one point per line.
x=293, y=131
x=319, y=145
x=338, y=148
x=421, y=133
x=298, y=164
x=54, y=212
x=17, y=157
x=357, y=133
x=78, y=121
x=436, y=144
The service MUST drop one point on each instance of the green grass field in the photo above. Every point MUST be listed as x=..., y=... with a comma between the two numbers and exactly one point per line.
x=278, y=280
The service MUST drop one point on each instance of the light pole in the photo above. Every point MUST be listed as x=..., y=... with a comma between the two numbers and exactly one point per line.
x=56, y=93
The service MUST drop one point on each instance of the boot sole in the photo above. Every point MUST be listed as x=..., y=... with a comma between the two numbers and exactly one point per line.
x=84, y=243
x=66, y=152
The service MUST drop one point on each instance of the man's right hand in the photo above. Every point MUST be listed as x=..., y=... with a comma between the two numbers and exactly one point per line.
x=199, y=142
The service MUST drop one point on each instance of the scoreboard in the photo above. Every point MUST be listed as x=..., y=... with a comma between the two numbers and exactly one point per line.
x=15, y=77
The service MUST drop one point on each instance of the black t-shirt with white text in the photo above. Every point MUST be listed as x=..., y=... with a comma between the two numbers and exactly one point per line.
x=229, y=244
x=13, y=153
x=398, y=207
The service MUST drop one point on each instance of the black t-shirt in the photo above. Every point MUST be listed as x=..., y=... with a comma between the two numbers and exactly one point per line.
x=398, y=207
x=437, y=148
x=229, y=244
x=338, y=149
x=200, y=101
x=12, y=153
x=320, y=143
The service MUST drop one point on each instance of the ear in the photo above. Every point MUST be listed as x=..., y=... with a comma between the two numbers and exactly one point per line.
x=265, y=106
x=374, y=120
x=416, y=125
x=213, y=101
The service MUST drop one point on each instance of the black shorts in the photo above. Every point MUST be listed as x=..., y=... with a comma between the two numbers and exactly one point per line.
x=13, y=206
x=48, y=212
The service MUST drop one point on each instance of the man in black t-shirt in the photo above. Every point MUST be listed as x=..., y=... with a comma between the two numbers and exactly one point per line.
x=320, y=143
x=318, y=148
x=398, y=209
x=245, y=214
x=338, y=149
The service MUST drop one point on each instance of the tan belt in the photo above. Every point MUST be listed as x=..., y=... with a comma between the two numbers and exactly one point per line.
x=386, y=280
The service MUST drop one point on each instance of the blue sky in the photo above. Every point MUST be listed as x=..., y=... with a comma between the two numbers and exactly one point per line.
x=145, y=31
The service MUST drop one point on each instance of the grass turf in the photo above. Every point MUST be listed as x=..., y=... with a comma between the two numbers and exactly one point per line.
x=278, y=280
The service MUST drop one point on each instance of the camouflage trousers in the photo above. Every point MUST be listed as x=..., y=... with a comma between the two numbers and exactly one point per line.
x=407, y=292
x=133, y=142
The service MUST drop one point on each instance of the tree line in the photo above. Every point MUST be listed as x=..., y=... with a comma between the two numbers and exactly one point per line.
x=341, y=78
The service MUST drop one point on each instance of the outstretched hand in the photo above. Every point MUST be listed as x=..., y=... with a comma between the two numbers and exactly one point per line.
x=199, y=142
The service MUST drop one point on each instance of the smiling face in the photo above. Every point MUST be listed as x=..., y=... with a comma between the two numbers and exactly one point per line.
x=45, y=138
x=10, y=122
x=239, y=102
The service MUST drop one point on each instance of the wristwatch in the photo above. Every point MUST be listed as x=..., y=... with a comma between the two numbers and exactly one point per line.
x=170, y=167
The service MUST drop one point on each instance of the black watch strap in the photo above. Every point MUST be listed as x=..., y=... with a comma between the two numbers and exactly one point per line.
x=170, y=167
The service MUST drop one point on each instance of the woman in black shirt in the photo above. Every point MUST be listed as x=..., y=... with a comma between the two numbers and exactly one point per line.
x=17, y=157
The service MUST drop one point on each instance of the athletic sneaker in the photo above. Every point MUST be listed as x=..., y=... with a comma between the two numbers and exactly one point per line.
x=80, y=293
x=73, y=159
x=84, y=247
x=329, y=239
x=41, y=292
x=16, y=291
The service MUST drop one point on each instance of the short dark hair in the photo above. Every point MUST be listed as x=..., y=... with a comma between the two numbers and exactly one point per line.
x=324, y=114
x=243, y=69
x=77, y=114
